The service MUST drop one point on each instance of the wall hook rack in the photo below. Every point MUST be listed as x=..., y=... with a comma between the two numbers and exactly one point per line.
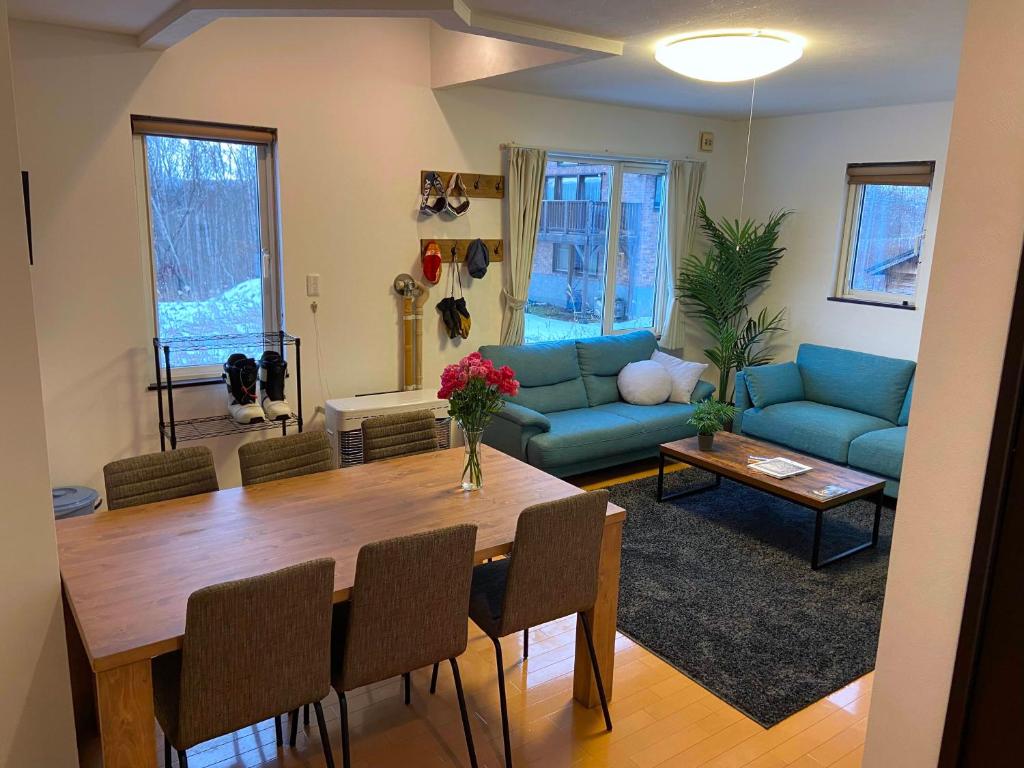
x=483, y=185
x=455, y=250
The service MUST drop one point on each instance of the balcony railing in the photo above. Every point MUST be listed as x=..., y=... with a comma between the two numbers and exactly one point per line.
x=586, y=217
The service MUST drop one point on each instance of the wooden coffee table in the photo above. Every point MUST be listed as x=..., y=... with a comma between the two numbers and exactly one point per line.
x=731, y=456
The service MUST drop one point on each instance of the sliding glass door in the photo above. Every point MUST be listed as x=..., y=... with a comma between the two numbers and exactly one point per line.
x=580, y=286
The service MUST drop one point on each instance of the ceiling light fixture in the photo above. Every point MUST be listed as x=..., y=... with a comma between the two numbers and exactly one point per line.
x=730, y=56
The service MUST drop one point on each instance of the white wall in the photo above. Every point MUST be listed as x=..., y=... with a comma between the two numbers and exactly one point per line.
x=35, y=698
x=357, y=121
x=800, y=163
x=977, y=256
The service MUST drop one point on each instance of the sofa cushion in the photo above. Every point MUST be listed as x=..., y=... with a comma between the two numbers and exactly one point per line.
x=612, y=429
x=684, y=375
x=771, y=384
x=904, y=418
x=880, y=452
x=644, y=382
x=821, y=430
x=654, y=418
x=548, y=374
x=870, y=384
x=579, y=435
x=601, y=358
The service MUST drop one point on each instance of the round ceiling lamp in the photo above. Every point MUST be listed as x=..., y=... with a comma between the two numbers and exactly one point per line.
x=730, y=56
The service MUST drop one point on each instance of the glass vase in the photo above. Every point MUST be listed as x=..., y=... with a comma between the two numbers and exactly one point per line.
x=472, y=471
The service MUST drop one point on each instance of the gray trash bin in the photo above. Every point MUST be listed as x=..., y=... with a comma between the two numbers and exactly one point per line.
x=74, y=500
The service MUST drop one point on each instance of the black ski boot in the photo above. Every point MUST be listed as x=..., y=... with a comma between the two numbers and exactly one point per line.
x=273, y=369
x=240, y=375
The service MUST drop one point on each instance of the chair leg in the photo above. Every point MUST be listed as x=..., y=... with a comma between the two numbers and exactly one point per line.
x=597, y=670
x=407, y=679
x=293, y=722
x=465, y=712
x=433, y=679
x=182, y=758
x=167, y=752
x=305, y=715
x=526, y=644
x=277, y=731
x=504, y=703
x=346, y=755
x=325, y=739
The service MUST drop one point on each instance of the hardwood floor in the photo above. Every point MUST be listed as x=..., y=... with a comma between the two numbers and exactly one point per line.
x=662, y=718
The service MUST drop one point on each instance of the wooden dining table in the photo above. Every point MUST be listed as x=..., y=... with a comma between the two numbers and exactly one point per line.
x=127, y=574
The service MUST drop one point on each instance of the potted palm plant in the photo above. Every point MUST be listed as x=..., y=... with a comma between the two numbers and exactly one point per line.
x=709, y=417
x=717, y=288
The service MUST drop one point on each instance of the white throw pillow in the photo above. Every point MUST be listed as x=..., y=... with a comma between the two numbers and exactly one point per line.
x=683, y=373
x=644, y=383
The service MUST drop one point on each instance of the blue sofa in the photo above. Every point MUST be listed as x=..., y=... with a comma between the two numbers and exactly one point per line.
x=846, y=407
x=568, y=417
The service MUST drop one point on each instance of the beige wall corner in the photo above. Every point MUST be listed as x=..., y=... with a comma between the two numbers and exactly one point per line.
x=977, y=256
x=35, y=704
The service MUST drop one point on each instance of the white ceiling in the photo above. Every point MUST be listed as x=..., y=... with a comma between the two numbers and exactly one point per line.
x=860, y=52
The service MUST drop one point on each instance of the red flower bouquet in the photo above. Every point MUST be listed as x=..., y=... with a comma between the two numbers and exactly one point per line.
x=475, y=389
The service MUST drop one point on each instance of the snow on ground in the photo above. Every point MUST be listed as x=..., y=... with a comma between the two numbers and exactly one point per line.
x=238, y=310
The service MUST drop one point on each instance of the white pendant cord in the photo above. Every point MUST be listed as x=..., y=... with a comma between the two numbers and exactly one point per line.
x=746, y=157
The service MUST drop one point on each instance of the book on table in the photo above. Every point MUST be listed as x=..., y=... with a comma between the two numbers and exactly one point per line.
x=780, y=467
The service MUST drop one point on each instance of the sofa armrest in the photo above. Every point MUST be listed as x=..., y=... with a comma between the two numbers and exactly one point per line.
x=524, y=417
x=742, y=403
x=513, y=427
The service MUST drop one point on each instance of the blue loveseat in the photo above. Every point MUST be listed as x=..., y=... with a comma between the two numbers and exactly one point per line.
x=568, y=417
x=846, y=407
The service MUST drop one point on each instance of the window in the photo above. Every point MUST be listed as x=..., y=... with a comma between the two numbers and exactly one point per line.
x=883, y=232
x=207, y=201
x=574, y=267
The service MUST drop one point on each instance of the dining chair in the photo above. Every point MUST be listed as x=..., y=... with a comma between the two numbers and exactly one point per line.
x=277, y=458
x=398, y=434
x=159, y=477
x=253, y=649
x=551, y=572
x=408, y=610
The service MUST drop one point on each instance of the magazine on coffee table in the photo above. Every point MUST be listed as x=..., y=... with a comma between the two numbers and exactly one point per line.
x=780, y=467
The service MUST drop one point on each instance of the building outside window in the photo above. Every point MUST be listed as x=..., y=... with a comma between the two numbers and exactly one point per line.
x=884, y=229
x=576, y=290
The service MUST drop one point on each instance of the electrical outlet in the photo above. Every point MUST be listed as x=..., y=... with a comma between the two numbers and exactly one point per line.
x=312, y=285
x=707, y=141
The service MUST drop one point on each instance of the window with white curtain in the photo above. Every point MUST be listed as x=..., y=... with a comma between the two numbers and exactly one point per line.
x=596, y=273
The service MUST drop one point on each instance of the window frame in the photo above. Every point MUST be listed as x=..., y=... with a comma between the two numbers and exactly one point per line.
x=618, y=167
x=265, y=141
x=859, y=176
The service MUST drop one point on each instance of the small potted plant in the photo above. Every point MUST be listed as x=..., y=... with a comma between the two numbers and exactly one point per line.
x=710, y=416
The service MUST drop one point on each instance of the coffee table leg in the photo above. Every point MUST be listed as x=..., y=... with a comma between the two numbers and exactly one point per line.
x=717, y=482
x=816, y=549
x=878, y=517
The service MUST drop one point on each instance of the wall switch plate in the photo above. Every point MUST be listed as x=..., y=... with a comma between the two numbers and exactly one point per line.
x=707, y=141
x=312, y=285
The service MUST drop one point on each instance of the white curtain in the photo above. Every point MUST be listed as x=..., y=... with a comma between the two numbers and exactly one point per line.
x=526, y=168
x=685, y=178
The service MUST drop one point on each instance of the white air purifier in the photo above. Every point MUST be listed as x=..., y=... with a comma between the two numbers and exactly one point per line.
x=344, y=419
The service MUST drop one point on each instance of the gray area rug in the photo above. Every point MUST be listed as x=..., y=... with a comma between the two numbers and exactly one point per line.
x=719, y=584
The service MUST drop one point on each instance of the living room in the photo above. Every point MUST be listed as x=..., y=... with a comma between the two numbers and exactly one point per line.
x=567, y=113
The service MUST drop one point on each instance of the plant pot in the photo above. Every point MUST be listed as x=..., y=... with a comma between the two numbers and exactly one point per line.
x=705, y=442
